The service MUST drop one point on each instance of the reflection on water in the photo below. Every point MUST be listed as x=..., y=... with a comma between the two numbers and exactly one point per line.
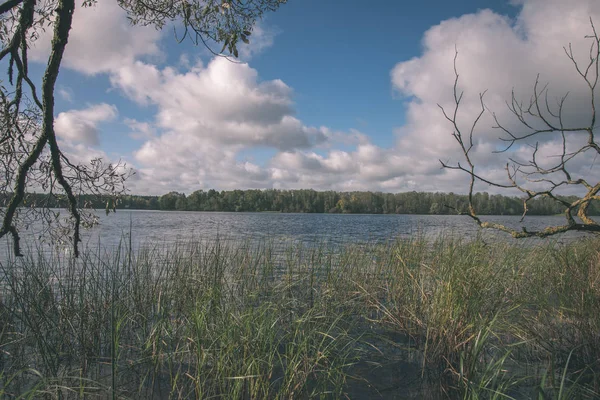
x=160, y=227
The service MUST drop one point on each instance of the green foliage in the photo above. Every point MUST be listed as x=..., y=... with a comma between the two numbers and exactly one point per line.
x=207, y=22
x=311, y=201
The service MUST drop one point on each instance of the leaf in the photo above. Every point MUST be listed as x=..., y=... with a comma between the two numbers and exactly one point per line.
x=224, y=45
x=245, y=39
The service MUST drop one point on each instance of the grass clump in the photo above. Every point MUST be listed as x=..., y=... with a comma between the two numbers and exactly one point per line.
x=417, y=318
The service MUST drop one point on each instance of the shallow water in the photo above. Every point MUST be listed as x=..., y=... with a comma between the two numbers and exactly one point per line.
x=150, y=228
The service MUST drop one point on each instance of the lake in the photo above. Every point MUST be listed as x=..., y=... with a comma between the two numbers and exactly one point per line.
x=163, y=227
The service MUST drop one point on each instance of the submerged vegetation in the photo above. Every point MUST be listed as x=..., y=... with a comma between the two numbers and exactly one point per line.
x=416, y=318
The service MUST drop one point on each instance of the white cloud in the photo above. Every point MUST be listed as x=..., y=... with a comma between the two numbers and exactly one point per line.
x=176, y=161
x=495, y=54
x=140, y=130
x=82, y=125
x=82, y=154
x=222, y=103
x=225, y=90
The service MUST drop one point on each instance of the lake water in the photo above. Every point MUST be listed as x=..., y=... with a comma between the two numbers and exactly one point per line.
x=161, y=227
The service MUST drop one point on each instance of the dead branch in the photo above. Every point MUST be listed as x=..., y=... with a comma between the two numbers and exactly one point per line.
x=539, y=119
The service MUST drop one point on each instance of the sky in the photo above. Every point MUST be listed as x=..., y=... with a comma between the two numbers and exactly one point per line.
x=328, y=95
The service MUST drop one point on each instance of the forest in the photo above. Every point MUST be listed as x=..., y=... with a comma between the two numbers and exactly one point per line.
x=311, y=201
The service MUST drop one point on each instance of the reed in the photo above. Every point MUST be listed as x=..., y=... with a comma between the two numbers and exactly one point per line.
x=221, y=319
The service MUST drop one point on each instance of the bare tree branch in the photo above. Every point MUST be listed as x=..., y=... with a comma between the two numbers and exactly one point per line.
x=538, y=118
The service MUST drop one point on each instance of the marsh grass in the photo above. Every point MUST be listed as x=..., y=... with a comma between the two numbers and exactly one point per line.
x=215, y=319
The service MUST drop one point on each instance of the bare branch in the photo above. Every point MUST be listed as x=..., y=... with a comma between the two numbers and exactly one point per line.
x=539, y=120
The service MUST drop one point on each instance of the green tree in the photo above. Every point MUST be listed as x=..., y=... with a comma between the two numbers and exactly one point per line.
x=171, y=201
x=196, y=201
x=435, y=208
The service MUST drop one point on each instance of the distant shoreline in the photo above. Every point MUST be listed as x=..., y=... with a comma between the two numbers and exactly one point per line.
x=314, y=202
x=121, y=209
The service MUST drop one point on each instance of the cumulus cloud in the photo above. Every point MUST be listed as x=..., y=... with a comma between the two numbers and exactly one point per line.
x=176, y=161
x=82, y=154
x=222, y=102
x=210, y=113
x=229, y=92
x=140, y=130
x=81, y=126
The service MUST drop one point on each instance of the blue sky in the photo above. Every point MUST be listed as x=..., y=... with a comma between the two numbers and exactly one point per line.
x=338, y=59
x=328, y=95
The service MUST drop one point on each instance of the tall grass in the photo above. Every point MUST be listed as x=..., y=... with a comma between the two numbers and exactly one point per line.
x=215, y=319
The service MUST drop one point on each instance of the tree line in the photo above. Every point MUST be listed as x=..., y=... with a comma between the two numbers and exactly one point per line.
x=311, y=201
